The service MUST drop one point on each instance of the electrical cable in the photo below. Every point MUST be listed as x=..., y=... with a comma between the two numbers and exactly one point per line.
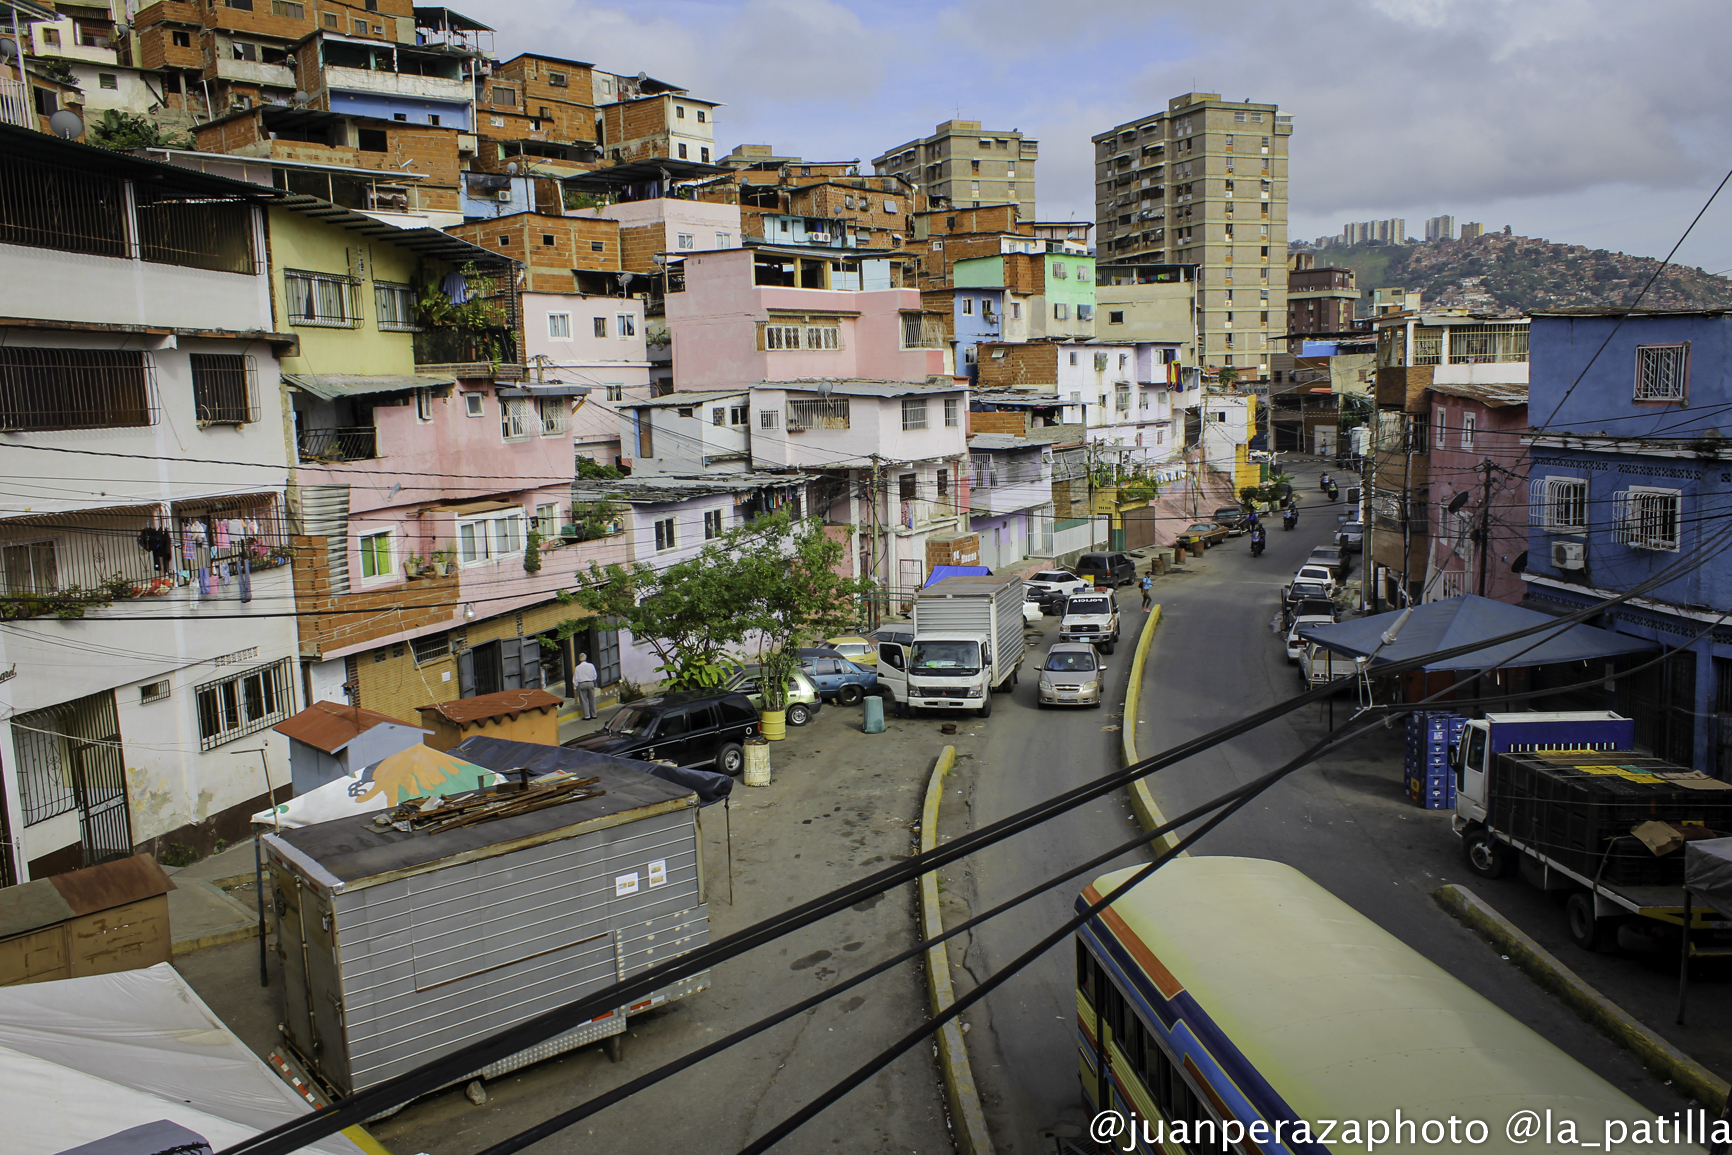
x=457, y=1065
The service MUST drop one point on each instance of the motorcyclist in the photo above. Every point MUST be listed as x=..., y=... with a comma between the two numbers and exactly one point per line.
x=1290, y=518
x=1332, y=491
x=1324, y=482
x=1257, y=540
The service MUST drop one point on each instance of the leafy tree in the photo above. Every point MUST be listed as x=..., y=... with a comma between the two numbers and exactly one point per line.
x=122, y=130
x=688, y=613
x=590, y=470
x=791, y=593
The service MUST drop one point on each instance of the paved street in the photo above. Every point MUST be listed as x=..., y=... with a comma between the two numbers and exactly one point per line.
x=1348, y=824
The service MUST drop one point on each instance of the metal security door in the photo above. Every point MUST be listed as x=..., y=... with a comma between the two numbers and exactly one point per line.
x=98, y=768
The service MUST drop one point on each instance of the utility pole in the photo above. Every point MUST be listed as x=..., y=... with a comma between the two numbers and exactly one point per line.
x=1407, y=511
x=1484, y=523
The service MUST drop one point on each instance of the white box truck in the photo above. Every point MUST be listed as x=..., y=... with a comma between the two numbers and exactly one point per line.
x=968, y=644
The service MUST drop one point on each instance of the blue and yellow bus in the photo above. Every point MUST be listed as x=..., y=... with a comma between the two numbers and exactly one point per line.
x=1234, y=999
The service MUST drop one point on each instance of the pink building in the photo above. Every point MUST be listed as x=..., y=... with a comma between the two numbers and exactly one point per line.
x=1474, y=440
x=747, y=316
x=425, y=495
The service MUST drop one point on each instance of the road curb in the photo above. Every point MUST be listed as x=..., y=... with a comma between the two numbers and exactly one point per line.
x=1143, y=804
x=216, y=938
x=1600, y=1012
x=967, y=1117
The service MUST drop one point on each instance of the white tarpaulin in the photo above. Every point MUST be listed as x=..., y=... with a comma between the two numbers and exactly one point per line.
x=411, y=773
x=81, y=1059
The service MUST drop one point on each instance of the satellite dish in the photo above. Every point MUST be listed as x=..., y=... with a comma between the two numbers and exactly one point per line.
x=8, y=48
x=1456, y=502
x=66, y=125
x=511, y=168
x=642, y=76
x=300, y=96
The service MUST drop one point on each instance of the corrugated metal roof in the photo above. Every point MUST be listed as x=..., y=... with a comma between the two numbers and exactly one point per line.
x=112, y=884
x=1496, y=395
x=504, y=704
x=680, y=399
x=330, y=386
x=660, y=490
x=330, y=726
x=1008, y=441
x=861, y=387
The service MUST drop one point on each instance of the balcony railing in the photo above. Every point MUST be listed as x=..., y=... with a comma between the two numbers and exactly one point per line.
x=356, y=443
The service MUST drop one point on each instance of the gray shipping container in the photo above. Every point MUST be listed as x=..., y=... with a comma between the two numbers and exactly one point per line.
x=398, y=948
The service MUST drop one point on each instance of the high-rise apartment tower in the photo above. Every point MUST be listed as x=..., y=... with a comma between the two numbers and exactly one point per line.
x=1205, y=183
x=966, y=166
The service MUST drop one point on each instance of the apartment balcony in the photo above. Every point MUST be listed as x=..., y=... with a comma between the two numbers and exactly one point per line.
x=326, y=446
x=409, y=85
x=255, y=72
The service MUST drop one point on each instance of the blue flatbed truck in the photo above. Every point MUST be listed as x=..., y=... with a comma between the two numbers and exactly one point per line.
x=1557, y=796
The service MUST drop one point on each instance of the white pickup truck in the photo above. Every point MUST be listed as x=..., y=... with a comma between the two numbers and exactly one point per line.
x=1093, y=618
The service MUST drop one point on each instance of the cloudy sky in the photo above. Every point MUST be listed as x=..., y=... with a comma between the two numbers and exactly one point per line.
x=1597, y=122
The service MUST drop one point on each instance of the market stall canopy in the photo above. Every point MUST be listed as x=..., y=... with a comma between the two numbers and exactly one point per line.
x=1708, y=872
x=82, y=1059
x=412, y=773
x=1462, y=621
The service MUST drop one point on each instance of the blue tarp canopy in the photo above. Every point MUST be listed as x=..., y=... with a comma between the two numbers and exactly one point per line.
x=502, y=754
x=1461, y=621
x=940, y=572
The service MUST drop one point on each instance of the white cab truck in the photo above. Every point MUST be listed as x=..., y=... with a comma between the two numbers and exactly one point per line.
x=1093, y=617
x=1560, y=797
x=968, y=644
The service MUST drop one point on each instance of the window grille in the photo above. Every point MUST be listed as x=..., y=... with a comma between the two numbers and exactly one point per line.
x=1647, y=518
x=245, y=703
x=43, y=389
x=921, y=332
x=1452, y=583
x=396, y=306
x=952, y=412
x=913, y=413
x=1662, y=372
x=514, y=418
x=47, y=206
x=431, y=648
x=203, y=233
x=766, y=419
x=225, y=388
x=1558, y=504
x=1483, y=344
x=321, y=299
x=553, y=415
x=819, y=413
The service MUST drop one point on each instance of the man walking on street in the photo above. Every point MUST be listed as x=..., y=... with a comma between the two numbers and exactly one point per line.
x=1148, y=587
x=584, y=678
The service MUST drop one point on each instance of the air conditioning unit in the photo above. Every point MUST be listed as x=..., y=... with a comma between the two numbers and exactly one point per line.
x=503, y=196
x=818, y=238
x=1567, y=555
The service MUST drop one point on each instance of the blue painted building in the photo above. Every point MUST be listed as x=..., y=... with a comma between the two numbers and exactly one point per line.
x=977, y=316
x=1631, y=481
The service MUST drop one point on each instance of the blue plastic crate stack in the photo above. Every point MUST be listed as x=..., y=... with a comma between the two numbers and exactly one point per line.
x=1430, y=734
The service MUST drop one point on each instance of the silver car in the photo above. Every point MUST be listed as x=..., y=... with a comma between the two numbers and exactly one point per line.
x=1072, y=675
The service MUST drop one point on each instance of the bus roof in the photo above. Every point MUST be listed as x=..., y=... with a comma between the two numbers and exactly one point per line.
x=1341, y=1018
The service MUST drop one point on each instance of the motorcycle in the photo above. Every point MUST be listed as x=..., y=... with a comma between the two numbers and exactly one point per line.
x=1257, y=545
x=1290, y=519
x=1324, y=482
x=1332, y=491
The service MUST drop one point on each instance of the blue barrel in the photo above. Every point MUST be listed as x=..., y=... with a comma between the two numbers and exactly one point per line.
x=873, y=707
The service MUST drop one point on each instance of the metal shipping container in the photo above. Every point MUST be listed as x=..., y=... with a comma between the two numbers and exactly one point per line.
x=399, y=947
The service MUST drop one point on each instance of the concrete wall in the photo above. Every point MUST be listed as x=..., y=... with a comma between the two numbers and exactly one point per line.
x=875, y=427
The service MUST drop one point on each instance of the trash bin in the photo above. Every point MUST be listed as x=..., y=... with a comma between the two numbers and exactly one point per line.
x=872, y=707
x=757, y=763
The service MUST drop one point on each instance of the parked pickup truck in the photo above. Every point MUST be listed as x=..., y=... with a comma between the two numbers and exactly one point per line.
x=1092, y=618
x=1206, y=532
x=1563, y=798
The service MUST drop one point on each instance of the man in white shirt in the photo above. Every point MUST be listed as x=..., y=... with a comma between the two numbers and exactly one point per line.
x=584, y=678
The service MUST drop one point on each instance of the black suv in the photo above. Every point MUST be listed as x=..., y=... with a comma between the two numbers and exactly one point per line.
x=1106, y=569
x=687, y=729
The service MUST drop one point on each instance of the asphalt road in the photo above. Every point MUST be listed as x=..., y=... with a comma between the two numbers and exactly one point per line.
x=1347, y=822
x=1021, y=1040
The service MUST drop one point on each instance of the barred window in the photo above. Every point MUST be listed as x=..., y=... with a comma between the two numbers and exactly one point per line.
x=766, y=419
x=514, y=418
x=325, y=299
x=818, y=413
x=913, y=413
x=1558, y=504
x=1662, y=372
x=430, y=648
x=1647, y=518
x=43, y=389
x=952, y=412
x=243, y=704
x=553, y=412
x=224, y=388
x=64, y=748
x=396, y=305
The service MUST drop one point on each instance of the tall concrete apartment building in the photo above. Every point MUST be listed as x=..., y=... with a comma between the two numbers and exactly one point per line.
x=965, y=166
x=1440, y=228
x=1205, y=183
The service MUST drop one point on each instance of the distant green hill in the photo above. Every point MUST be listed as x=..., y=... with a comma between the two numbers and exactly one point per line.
x=1509, y=274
